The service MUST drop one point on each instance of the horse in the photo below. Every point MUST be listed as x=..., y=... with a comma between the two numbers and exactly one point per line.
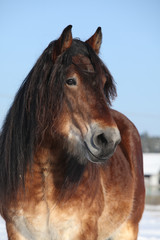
x=71, y=167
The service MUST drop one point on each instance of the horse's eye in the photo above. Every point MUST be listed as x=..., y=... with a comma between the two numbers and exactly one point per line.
x=71, y=81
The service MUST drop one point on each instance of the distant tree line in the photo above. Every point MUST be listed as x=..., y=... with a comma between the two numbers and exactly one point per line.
x=150, y=144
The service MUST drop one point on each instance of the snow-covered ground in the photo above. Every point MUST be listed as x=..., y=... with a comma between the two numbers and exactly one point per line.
x=3, y=234
x=149, y=226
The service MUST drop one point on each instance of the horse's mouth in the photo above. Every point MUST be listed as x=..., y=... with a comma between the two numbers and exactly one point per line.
x=96, y=159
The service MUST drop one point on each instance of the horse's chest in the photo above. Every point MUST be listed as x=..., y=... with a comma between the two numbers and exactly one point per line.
x=64, y=226
x=48, y=224
x=79, y=218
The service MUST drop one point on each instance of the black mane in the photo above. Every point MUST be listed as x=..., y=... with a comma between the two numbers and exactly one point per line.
x=31, y=115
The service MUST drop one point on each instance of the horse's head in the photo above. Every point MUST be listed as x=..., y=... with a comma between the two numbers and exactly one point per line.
x=64, y=101
x=85, y=121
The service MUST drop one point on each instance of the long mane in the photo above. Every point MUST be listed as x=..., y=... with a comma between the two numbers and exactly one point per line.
x=33, y=112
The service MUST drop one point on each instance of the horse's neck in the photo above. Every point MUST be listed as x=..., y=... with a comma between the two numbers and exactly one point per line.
x=48, y=176
x=48, y=162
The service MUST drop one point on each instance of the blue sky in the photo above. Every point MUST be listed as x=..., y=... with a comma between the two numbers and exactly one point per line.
x=130, y=48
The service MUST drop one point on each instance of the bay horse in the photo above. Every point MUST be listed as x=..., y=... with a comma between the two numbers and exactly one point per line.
x=71, y=167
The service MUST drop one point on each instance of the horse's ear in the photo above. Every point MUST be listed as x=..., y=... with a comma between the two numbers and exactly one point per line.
x=63, y=43
x=96, y=40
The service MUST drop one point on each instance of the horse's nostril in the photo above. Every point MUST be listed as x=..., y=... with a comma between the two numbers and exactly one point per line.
x=101, y=139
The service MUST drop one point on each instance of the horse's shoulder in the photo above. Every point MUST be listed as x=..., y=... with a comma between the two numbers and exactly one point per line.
x=132, y=149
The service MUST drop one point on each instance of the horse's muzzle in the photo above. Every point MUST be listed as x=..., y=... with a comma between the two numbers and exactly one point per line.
x=101, y=142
